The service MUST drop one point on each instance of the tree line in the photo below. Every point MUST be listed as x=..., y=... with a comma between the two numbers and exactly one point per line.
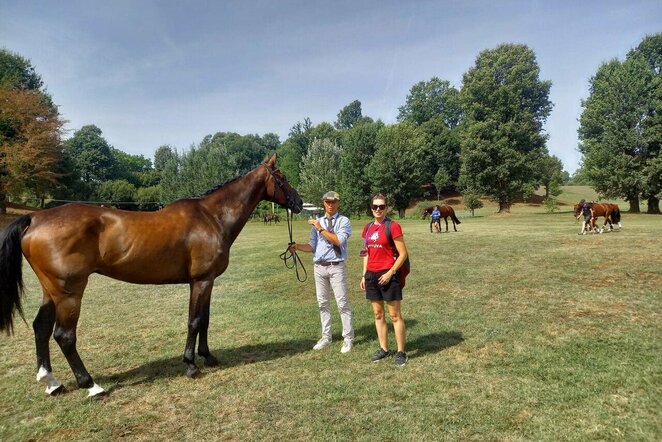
x=483, y=139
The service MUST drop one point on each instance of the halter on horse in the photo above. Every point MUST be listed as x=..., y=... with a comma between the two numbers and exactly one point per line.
x=188, y=241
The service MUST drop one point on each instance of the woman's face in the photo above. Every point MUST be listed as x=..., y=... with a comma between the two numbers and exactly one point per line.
x=378, y=207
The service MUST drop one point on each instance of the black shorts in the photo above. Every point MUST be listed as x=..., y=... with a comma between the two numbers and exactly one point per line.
x=389, y=292
x=587, y=218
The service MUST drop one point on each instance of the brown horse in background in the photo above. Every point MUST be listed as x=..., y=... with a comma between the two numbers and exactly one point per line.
x=269, y=217
x=446, y=212
x=611, y=213
x=187, y=242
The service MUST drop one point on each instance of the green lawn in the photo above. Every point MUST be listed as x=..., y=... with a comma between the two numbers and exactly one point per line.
x=518, y=329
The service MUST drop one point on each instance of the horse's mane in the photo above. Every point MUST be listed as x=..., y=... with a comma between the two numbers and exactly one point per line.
x=215, y=188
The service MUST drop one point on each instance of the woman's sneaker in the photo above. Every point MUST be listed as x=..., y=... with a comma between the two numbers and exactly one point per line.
x=380, y=354
x=400, y=358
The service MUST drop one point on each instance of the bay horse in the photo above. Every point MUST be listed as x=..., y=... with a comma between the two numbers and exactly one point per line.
x=446, y=212
x=186, y=242
x=611, y=213
x=269, y=217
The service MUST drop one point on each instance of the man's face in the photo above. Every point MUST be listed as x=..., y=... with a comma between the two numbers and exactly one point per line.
x=331, y=206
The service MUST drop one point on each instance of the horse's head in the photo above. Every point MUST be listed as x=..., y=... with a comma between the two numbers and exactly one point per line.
x=279, y=190
x=578, y=209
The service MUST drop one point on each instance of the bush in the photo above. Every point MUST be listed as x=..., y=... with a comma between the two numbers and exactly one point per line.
x=550, y=205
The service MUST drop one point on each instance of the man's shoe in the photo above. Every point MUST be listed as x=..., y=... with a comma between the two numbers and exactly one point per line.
x=322, y=343
x=400, y=359
x=380, y=354
x=346, y=347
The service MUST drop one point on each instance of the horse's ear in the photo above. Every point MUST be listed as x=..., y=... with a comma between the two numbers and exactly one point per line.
x=272, y=160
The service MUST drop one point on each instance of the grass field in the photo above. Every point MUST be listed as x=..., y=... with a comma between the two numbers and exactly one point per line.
x=518, y=329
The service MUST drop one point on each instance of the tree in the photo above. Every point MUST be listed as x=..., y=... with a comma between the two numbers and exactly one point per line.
x=615, y=127
x=30, y=130
x=441, y=180
x=472, y=200
x=91, y=155
x=427, y=100
x=120, y=193
x=551, y=175
x=506, y=106
x=162, y=156
x=319, y=170
x=358, y=148
x=294, y=149
x=30, y=144
x=442, y=149
x=349, y=115
x=396, y=168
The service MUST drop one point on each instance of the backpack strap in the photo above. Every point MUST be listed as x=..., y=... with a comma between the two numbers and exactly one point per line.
x=387, y=229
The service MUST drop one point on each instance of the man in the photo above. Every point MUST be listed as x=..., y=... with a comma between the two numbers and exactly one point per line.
x=328, y=242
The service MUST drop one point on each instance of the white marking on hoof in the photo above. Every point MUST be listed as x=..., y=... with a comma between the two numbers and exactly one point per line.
x=53, y=386
x=95, y=391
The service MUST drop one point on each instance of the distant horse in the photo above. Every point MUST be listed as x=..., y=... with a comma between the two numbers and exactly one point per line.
x=268, y=217
x=446, y=212
x=187, y=242
x=611, y=213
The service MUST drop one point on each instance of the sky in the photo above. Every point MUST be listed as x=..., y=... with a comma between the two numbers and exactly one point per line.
x=149, y=73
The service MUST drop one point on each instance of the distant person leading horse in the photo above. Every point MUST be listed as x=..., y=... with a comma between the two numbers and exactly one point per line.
x=446, y=212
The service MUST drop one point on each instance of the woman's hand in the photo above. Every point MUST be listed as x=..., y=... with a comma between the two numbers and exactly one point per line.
x=362, y=283
x=386, y=277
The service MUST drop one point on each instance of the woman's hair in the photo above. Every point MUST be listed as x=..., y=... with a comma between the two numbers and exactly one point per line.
x=379, y=196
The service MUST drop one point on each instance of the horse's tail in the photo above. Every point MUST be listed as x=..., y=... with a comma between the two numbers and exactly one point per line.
x=11, y=277
x=616, y=214
x=454, y=218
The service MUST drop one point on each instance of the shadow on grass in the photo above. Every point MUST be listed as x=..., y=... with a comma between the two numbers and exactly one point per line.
x=228, y=357
x=419, y=346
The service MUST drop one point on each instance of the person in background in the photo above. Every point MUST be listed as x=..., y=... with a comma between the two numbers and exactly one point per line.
x=381, y=281
x=587, y=212
x=328, y=242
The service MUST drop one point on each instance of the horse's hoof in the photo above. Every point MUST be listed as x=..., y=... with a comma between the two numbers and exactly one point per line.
x=193, y=372
x=56, y=390
x=95, y=392
x=211, y=361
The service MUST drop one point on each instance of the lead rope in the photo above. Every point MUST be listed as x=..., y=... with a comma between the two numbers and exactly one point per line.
x=287, y=255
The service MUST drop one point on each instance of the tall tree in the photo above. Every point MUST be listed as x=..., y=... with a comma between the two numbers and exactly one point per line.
x=319, y=170
x=91, y=154
x=612, y=132
x=434, y=98
x=349, y=115
x=30, y=130
x=397, y=168
x=506, y=106
x=30, y=144
x=294, y=149
x=551, y=174
x=358, y=148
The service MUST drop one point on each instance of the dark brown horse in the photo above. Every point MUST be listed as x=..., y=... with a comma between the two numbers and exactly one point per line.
x=269, y=217
x=609, y=211
x=187, y=242
x=446, y=212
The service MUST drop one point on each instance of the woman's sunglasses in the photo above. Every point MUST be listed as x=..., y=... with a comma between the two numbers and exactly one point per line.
x=378, y=206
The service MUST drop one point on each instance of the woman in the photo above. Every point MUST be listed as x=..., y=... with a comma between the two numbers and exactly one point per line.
x=381, y=281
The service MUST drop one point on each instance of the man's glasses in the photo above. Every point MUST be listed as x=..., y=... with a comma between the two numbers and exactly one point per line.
x=378, y=206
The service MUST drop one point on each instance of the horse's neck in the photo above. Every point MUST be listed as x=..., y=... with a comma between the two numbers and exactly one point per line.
x=233, y=203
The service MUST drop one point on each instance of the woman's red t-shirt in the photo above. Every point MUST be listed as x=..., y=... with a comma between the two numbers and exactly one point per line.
x=380, y=254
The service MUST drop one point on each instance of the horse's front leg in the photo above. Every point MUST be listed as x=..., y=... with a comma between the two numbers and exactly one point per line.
x=446, y=221
x=198, y=324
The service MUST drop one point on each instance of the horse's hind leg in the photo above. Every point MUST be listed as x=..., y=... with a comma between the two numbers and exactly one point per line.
x=67, y=314
x=43, y=329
